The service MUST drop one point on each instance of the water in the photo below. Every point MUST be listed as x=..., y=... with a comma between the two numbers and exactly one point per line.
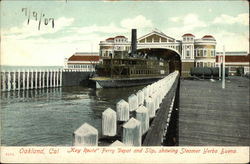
x=48, y=117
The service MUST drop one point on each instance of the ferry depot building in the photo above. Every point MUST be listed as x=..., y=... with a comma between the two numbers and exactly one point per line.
x=191, y=51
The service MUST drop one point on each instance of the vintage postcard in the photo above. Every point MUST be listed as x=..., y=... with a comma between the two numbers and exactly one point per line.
x=124, y=81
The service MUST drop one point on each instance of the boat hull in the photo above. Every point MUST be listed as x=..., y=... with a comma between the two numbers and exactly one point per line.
x=128, y=82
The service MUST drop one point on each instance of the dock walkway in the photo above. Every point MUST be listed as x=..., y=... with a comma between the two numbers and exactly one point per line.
x=212, y=116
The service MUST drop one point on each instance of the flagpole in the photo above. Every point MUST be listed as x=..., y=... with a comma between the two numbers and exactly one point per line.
x=223, y=68
x=220, y=62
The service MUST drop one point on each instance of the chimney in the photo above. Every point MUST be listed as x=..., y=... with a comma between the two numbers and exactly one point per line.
x=133, y=41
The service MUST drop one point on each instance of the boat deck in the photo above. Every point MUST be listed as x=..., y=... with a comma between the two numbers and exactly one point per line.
x=131, y=78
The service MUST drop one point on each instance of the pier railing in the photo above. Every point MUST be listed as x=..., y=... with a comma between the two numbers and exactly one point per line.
x=145, y=119
x=79, y=70
x=30, y=79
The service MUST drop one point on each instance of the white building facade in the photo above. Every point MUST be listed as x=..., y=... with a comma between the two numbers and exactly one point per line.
x=193, y=52
x=112, y=45
x=234, y=61
x=82, y=61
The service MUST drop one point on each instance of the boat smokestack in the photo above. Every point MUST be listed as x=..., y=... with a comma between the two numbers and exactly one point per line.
x=133, y=41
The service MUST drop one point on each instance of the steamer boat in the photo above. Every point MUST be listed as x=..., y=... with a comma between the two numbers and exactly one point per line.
x=123, y=72
x=136, y=68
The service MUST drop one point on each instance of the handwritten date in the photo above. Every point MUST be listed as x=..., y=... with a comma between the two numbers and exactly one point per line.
x=38, y=17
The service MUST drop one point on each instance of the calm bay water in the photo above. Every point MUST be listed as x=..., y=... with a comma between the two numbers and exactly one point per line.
x=48, y=117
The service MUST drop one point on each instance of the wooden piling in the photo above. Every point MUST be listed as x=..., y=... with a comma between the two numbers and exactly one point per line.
x=8, y=81
x=133, y=102
x=143, y=117
x=109, y=121
x=18, y=80
x=36, y=78
x=4, y=81
x=140, y=96
x=132, y=133
x=47, y=78
x=23, y=80
x=54, y=79
x=51, y=79
x=40, y=79
x=43, y=77
x=14, y=80
x=61, y=78
x=57, y=78
x=146, y=93
x=28, y=79
x=150, y=106
x=117, y=143
x=86, y=135
x=122, y=110
x=31, y=79
x=150, y=90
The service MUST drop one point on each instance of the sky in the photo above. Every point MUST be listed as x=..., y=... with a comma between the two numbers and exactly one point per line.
x=79, y=26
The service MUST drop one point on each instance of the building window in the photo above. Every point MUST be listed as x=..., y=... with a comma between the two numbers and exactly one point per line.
x=205, y=52
x=201, y=64
x=212, y=52
x=187, y=53
x=205, y=65
x=199, y=53
x=149, y=39
x=232, y=69
x=197, y=64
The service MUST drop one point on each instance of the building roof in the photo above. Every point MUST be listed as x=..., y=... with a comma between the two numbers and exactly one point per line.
x=110, y=39
x=83, y=58
x=120, y=36
x=232, y=59
x=157, y=32
x=208, y=37
x=86, y=54
x=188, y=34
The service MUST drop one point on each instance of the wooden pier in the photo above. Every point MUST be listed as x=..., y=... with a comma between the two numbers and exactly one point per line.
x=212, y=116
x=157, y=133
x=144, y=120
